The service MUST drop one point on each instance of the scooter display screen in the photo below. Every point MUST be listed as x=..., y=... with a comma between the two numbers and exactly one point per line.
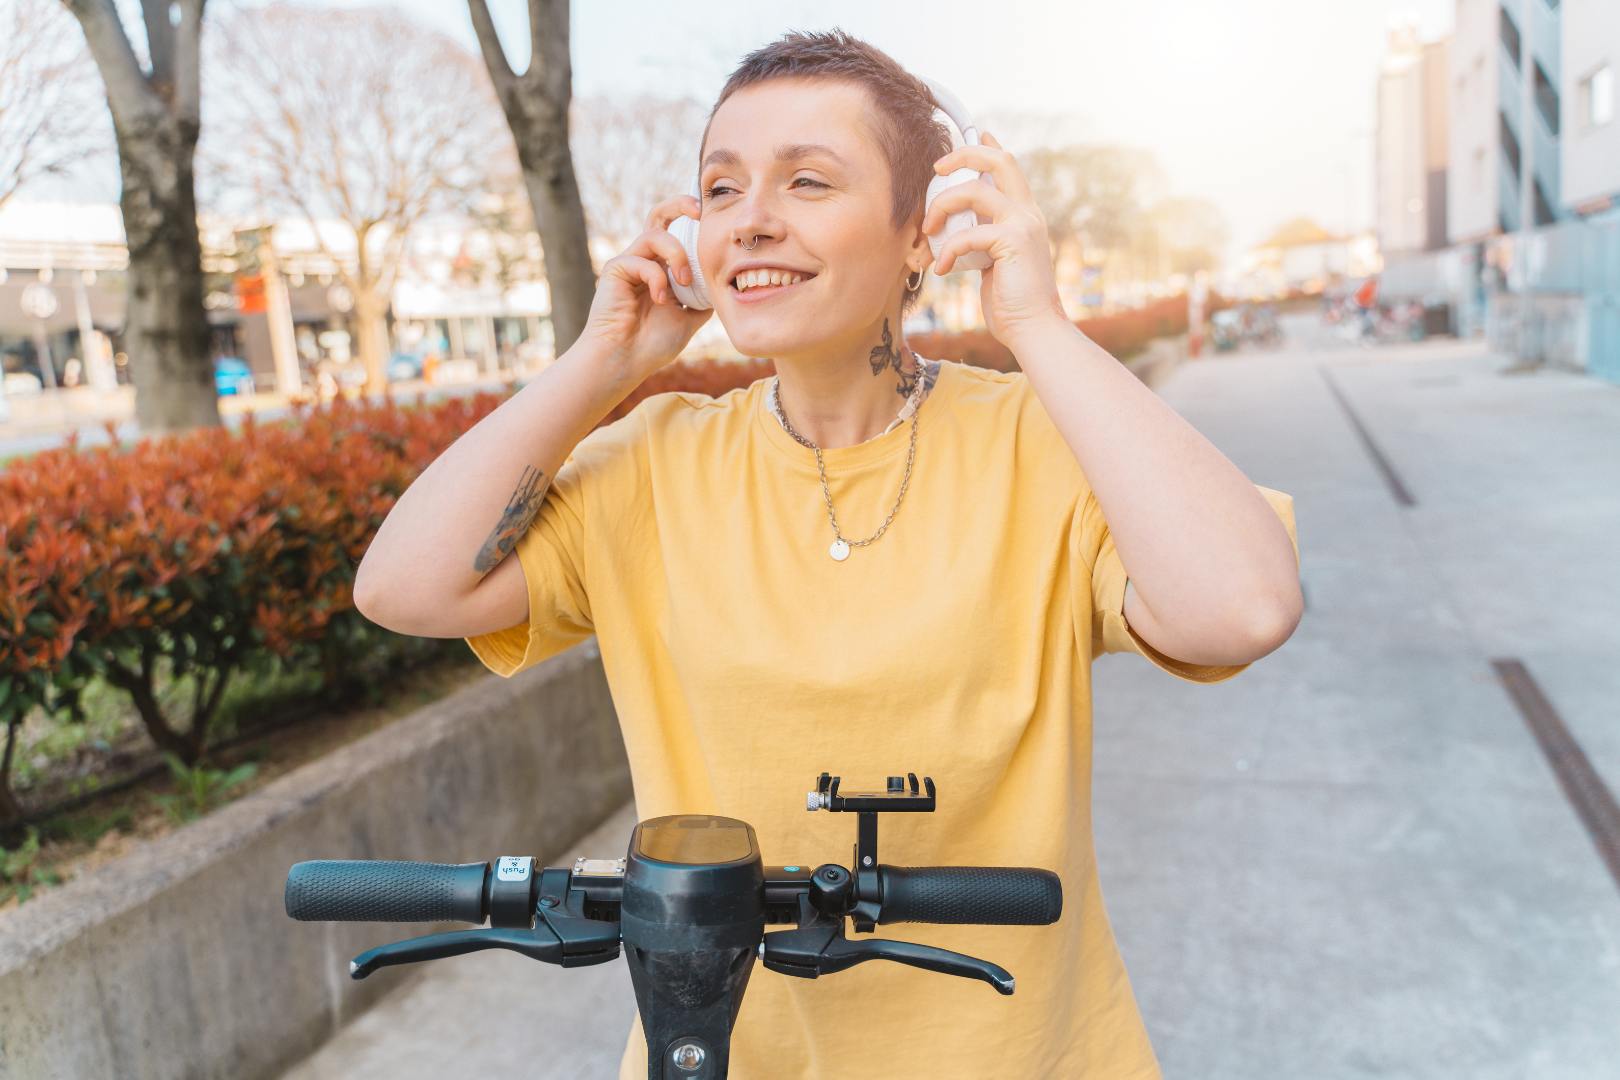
x=694, y=840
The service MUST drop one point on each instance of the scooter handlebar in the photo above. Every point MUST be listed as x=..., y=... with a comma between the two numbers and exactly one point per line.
x=980, y=895
x=365, y=890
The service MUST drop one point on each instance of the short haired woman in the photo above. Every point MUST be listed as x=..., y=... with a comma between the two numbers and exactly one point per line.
x=794, y=576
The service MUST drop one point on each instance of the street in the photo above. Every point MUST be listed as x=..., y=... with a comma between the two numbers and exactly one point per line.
x=40, y=424
x=1354, y=859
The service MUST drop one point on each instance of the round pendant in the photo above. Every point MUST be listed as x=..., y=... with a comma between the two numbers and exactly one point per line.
x=839, y=549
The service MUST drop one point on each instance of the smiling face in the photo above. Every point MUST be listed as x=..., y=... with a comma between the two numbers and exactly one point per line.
x=794, y=162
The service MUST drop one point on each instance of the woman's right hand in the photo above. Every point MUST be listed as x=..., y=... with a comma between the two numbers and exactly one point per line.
x=635, y=314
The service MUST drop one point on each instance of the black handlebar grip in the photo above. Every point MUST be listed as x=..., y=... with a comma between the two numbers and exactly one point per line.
x=982, y=895
x=379, y=890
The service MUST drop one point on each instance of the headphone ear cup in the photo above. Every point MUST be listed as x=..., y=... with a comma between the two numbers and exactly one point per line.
x=685, y=229
x=696, y=295
x=957, y=221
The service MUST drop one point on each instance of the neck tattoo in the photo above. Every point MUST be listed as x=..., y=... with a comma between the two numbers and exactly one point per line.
x=887, y=356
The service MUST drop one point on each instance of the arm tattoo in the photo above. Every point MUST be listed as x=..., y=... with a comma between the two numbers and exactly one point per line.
x=515, y=519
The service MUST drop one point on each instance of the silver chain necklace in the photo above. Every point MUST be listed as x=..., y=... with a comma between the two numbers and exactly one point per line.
x=839, y=549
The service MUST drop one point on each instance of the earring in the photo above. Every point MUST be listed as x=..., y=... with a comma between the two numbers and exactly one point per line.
x=913, y=288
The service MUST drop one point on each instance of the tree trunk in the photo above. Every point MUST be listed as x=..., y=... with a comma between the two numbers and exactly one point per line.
x=11, y=810
x=156, y=117
x=548, y=176
x=536, y=106
x=188, y=746
x=371, y=339
x=166, y=328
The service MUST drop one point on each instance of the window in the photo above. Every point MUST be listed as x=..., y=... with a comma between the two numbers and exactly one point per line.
x=1509, y=141
x=1510, y=35
x=1543, y=208
x=1597, y=97
x=1546, y=98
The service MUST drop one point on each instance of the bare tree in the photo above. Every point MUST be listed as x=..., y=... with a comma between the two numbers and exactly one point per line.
x=537, y=106
x=49, y=122
x=156, y=119
x=631, y=153
x=504, y=231
x=1192, y=234
x=1089, y=195
x=360, y=117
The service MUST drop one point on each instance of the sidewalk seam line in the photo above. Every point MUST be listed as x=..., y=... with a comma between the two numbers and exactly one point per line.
x=1592, y=800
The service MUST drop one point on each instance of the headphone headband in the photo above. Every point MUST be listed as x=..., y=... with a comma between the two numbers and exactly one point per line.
x=951, y=107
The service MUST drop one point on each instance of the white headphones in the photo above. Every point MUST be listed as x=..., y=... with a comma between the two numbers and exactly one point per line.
x=685, y=229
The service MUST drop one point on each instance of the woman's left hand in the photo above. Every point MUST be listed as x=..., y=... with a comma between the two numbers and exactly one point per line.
x=1018, y=291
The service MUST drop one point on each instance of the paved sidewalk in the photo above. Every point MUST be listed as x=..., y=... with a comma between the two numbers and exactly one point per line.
x=1352, y=860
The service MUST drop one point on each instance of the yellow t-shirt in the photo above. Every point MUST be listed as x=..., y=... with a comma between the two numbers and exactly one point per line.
x=691, y=537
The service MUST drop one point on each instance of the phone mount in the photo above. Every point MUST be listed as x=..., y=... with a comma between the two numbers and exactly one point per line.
x=868, y=805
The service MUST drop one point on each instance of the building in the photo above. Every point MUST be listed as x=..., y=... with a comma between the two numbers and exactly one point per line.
x=1413, y=143
x=1473, y=197
x=1506, y=119
x=1591, y=132
x=1533, y=188
x=1302, y=257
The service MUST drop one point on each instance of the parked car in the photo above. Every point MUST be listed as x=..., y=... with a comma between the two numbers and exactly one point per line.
x=351, y=375
x=404, y=366
x=20, y=383
x=232, y=376
x=1225, y=330
x=456, y=371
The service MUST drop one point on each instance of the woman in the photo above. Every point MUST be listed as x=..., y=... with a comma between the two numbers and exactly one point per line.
x=870, y=564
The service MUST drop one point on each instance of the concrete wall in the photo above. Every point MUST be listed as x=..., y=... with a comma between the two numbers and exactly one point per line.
x=180, y=960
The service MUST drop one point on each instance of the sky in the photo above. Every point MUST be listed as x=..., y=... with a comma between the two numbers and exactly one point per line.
x=1264, y=107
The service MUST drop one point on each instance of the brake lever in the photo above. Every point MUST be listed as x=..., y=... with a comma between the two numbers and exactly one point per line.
x=537, y=944
x=821, y=949
x=560, y=935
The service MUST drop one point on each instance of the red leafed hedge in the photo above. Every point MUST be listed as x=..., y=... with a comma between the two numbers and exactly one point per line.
x=711, y=377
x=1123, y=334
x=217, y=550
x=213, y=549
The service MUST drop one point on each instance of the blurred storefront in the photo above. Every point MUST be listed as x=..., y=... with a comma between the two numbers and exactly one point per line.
x=491, y=330
x=276, y=299
x=61, y=295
